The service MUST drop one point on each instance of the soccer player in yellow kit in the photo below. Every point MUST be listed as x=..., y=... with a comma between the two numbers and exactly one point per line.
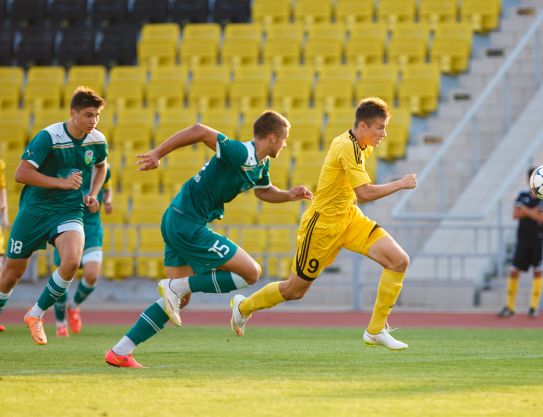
x=334, y=221
x=4, y=221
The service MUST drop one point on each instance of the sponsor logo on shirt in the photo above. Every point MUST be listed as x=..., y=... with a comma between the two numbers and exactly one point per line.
x=89, y=157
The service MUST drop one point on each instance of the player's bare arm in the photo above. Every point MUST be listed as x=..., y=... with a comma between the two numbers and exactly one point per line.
x=273, y=194
x=193, y=134
x=107, y=201
x=27, y=173
x=372, y=192
x=4, y=207
x=99, y=173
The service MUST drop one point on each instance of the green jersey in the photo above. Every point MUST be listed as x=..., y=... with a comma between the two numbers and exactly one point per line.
x=56, y=154
x=233, y=169
x=95, y=217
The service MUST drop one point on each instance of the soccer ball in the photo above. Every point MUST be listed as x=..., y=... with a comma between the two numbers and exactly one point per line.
x=536, y=182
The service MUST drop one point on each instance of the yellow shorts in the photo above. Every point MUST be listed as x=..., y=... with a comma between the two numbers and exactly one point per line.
x=320, y=239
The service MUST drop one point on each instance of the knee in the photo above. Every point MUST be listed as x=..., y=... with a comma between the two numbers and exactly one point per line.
x=253, y=274
x=292, y=295
x=400, y=262
x=69, y=266
x=11, y=275
x=91, y=279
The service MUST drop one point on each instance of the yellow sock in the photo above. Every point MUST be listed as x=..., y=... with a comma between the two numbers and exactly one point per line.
x=537, y=284
x=266, y=297
x=390, y=286
x=512, y=288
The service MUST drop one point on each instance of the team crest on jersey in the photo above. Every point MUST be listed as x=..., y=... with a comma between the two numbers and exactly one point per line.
x=89, y=157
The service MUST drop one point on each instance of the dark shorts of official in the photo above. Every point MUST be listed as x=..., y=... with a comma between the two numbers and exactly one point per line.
x=31, y=232
x=527, y=254
x=197, y=245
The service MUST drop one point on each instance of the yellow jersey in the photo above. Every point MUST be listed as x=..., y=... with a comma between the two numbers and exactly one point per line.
x=343, y=170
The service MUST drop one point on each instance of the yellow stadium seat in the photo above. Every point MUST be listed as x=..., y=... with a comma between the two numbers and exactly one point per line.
x=408, y=29
x=379, y=71
x=288, y=94
x=378, y=30
x=174, y=178
x=236, y=52
x=331, y=93
x=483, y=15
x=301, y=73
x=394, y=11
x=131, y=138
x=304, y=137
x=11, y=76
x=278, y=52
x=46, y=117
x=118, y=267
x=311, y=159
x=165, y=129
x=200, y=44
x=337, y=72
x=134, y=182
x=178, y=73
x=310, y=11
x=320, y=52
x=257, y=72
x=165, y=94
x=429, y=72
x=50, y=75
x=169, y=31
x=383, y=88
x=191, y=157
x=271, y=11
x=235, y=215
x=205, y=94
x=243, y=31
x=143, y=116
x=105, y=124
x=225, y=120
x=460, y=30
x=9, y=96
x=277, y=218
x=15, y=117
x=157, y=52
x=183, y=116
x=42, y=96
x=407, y=50
x=285, y=30
x=435, y=12
x=212, y=72
x=354, y=12
x=124, y=95
x=371, y=167
x=450, y=50
x=372, y=52
x=14, y=139
x=132, y=74
x=419, y=95
x=327, y=30
x=397, y=137
x=88, y=74
x=247, y=94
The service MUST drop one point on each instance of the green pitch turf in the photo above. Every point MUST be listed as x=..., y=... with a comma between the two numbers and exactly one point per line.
x=206, y=371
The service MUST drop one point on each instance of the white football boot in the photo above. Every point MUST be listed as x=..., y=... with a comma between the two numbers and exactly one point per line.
x=237, y=322
x=172, y=301
x=383, y=338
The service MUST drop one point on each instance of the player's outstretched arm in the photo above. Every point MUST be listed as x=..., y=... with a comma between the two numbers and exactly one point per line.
x=193, y=134
x=27, y=173
x=372, y=192
x=272, y=194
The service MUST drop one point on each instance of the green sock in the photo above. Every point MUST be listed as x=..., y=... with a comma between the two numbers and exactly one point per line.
x=60, y=308
x=216, y=281
x=83, y=291
x=55, y=288
x=150, y=322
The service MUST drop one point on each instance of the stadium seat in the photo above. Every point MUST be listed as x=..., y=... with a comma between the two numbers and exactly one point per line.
x=321, y=52
x=14, y=139
x=419, y=95
x=138, y=182
x=168, y=31
x=278, y=51
x=225, y=120
x=383, y=88
x=75, y=47
x=128, y=74
x=429, y=72
x=28, y=13
x=93, y=76
x=407, y=50
x=483, y=15
x=310, y=11
x=435, y=12
x=397, y=135
x=173, y=120
x=379, y=71
x=237, y=51
x=289, y=94
x=271, y=11
x=108, y=12
x=117, y=45
x=193, y=11
x=331, y=93
x=68, y=13
x=305, y=133
x=130, y=139
x=165, y=94
x=149, y=11
x=157, y=52
x=207, y=93
x=138, y=117
x=46, y=117
x=35, y=46
x=354, y=12
x=451, y=47
x=247, y=94
x=394, y=11
x=42, y=96
x=285, y=30
x=124, y=95
x=257, y=72
x=11, y=80
x=199, y=52
x=372, y=52
x=231, y=11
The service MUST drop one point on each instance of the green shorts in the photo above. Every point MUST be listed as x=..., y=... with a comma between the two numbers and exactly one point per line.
x=189, y=243
x=94, y=236
x=31, y=232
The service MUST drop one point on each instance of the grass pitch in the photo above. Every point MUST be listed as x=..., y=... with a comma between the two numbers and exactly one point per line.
x=294, y=372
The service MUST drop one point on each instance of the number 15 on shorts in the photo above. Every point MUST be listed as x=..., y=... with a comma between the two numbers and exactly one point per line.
x=221, y=250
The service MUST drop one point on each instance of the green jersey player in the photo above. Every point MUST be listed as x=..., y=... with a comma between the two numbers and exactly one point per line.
x=54, y=165
x=91, y=262
x=196, y=258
